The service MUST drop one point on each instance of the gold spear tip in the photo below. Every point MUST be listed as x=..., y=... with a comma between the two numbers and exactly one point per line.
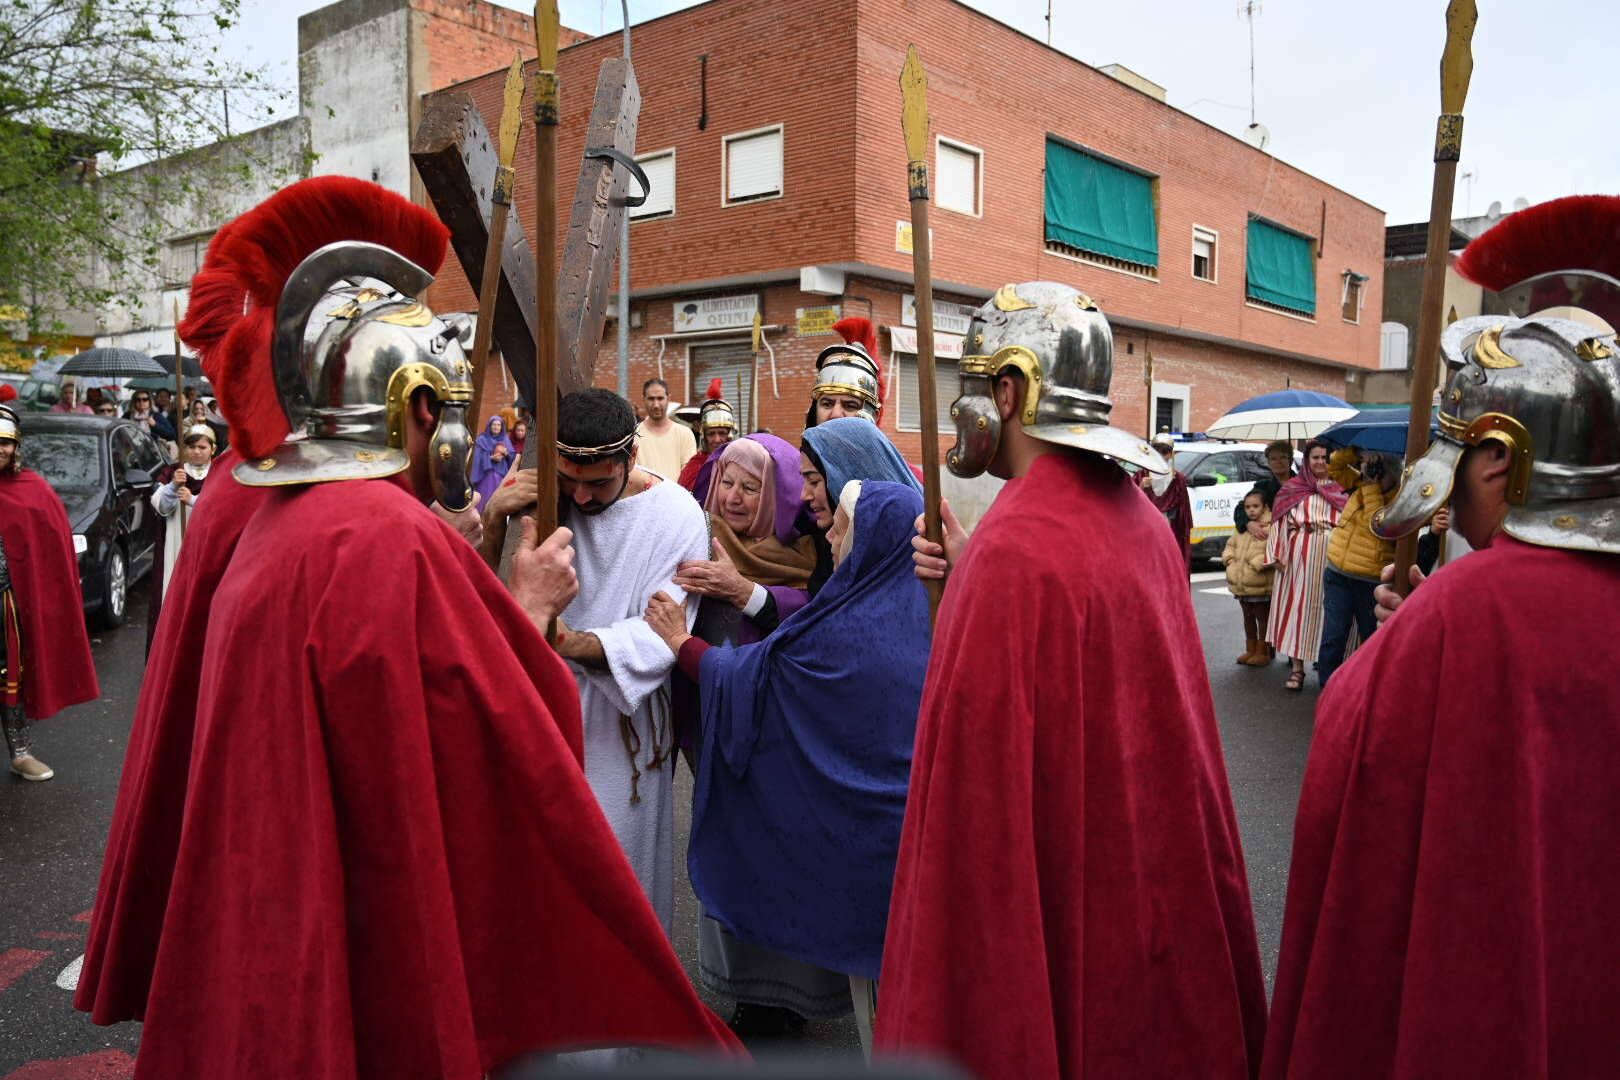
x=914, y=113
x=1457, y=62
x=546, y=24
x=512, y=112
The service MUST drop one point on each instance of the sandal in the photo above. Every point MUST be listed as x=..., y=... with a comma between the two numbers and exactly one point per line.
x=1296, y=681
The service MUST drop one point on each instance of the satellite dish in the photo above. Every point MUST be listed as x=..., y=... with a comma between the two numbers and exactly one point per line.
x=1521, y=203
x=1257, y=136
x=1494, y=211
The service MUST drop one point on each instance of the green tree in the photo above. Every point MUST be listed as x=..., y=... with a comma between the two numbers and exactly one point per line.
x=88, y=89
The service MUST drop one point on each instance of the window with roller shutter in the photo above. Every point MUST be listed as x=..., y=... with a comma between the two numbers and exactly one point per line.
x=660, y=170
x=752, y=165
x=733, y=364
x=957, y=169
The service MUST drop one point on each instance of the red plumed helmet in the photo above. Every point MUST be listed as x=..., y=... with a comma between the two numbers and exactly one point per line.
x=717, y=389
x=862, y=332
x=7, y=393
x=1579, y=232
x=231, y=317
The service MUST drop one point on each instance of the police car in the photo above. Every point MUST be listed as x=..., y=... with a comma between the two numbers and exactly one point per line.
x=1219, y=474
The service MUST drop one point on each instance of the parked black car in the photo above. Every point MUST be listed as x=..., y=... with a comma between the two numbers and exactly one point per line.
x=104, y=470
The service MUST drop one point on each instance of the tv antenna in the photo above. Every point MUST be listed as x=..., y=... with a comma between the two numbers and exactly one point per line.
x=1249, y=9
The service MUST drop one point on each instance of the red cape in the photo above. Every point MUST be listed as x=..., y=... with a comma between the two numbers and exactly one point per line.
x=689, y=472
x=1455, y=885
x=1070, y=898
x=57, y=670
x=353, y=837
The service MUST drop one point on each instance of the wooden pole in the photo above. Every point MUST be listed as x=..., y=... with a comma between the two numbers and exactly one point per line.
x=489, y=289
x=546, y=23
x=1456, y=68
x=914, y=124
x=179, y=391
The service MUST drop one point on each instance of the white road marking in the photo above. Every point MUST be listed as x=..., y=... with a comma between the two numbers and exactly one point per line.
x=1222, y=591
x=69, y=979
x=1208, y=575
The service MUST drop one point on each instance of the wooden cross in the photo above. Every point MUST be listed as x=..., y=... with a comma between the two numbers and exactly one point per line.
x=456, y=159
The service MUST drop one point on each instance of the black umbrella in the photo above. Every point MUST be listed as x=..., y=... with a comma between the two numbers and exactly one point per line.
x=189, y=365
x=112, y=364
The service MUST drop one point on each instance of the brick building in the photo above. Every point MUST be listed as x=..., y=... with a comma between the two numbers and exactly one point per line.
x=772, y=134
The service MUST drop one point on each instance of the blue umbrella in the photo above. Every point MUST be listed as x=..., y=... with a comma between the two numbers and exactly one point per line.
x=1382, y=430
x=1282, y=414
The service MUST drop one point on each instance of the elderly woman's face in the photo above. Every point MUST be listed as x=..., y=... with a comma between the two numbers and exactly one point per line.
x=739, y=498
x=496, y=425
x=835, y=534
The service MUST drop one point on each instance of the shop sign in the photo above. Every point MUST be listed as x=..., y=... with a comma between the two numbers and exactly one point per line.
x=715, y=313
x=902, y=237
x=948, y=317
x=946, y=346
x=817, y=320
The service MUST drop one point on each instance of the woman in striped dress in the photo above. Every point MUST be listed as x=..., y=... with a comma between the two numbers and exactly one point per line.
x=1304, y=513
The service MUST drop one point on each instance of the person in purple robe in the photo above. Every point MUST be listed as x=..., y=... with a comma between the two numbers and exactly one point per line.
x=493, y=454
x=1168, y=494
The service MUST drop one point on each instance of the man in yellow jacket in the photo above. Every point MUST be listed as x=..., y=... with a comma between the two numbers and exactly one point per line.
x=1356, y=556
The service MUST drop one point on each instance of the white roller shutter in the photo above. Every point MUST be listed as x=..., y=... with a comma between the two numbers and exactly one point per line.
x=946, y=388
x=958, y=179
x=733, y=364
x=754, y=166
x=660, y=170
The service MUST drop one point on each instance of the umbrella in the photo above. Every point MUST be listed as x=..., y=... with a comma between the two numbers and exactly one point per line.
x=190, y=367
x=1283, y=414
x=1380, y=429
x=112, y=364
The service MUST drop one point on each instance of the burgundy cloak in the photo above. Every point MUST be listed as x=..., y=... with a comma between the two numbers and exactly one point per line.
x=1176, y=507
x=57, y=670
x=351, y=840
x=1455, y=888
x=689, y=472
x=1070, y=898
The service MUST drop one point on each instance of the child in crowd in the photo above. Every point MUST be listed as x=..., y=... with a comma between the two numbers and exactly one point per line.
x=1248, y=575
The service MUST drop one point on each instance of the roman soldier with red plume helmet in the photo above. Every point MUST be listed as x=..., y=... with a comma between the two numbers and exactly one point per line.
x=849, y=376
x=1455, y=826
x=311, y=869
x=717, y=425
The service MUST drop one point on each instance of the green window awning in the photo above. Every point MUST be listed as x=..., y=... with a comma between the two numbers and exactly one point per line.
x=1097, y=206
x=1281, y=267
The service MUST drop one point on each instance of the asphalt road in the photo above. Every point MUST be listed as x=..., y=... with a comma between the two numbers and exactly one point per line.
x=52, y=836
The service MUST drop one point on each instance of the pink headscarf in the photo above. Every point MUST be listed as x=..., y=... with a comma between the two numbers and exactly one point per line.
x=1304, y=484
x=748, y=456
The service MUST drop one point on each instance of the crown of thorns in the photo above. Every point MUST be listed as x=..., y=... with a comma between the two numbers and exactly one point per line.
x=590, y=453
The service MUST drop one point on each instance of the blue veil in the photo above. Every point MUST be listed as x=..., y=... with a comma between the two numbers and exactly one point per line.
x=806, y=753
x=850, y=448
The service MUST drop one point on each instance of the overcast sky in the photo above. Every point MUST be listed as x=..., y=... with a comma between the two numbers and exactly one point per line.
x=1349, y=92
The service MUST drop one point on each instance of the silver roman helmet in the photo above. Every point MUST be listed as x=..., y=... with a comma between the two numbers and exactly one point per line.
x=350, y=348
x=717, y=415
x=1060, y=342
x=1549, y=390
x=850, y=368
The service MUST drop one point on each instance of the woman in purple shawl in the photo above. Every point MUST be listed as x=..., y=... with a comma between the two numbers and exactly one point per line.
x=806, y=751
x=493, y=454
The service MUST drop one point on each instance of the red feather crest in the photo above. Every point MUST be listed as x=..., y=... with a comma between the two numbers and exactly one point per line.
x=1579, y=232
x=231, y=317
x=717, y=389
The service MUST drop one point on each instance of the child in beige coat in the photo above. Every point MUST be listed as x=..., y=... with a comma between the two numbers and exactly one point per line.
x=1248, y=576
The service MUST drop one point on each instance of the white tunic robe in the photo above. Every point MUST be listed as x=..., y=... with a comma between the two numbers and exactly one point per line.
x=623, y=556
x=166, y=501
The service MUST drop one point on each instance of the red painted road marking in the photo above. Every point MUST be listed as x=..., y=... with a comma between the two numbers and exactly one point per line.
x=84, y=916
x=15, y=963
x=103, y=1065
x=59, y=935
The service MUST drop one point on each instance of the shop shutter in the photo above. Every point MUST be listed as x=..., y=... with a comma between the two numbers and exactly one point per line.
x=754, y=166
x=1096, y=206
x=1281, y=267
x=946, y=388
x=660, y=170
x=733, y=364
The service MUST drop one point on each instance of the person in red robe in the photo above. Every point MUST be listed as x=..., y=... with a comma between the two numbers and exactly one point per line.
x=352, y=840
x=1455, y=885
x=45, y=663
x=1168, y=494
x=1070, y=897
x=717, y=426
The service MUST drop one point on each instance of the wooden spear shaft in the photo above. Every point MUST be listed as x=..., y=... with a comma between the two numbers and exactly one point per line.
x=1456, y=68
x=914, y=124
x=546, y=22
x=179, y=392
x=500, y=206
